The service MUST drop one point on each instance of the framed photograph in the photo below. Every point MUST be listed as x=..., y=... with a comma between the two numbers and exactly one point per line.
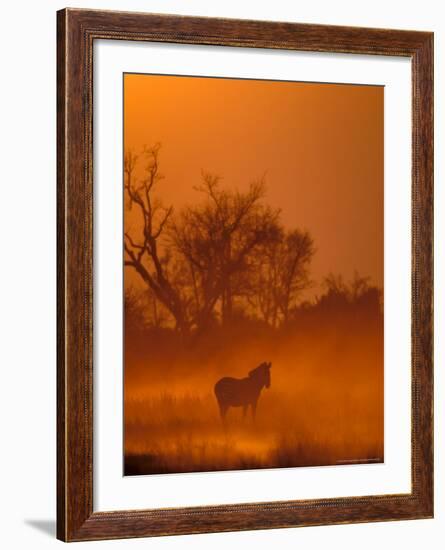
x=245, y=229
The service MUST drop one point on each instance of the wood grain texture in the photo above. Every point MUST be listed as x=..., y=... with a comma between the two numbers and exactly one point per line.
x=61, y=363
x=76, y=32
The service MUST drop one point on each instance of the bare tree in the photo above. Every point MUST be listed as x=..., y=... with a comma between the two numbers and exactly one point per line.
x=216, y=238
x=227, y=250
x=142, y=250
x=297, y=252
x=280, y=274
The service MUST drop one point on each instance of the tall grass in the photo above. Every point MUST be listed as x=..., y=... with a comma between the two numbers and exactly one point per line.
x=183, y=433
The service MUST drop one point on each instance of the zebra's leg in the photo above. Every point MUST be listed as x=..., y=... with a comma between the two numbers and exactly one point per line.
x=223, y=412
x=244, y=410
x=254, y=410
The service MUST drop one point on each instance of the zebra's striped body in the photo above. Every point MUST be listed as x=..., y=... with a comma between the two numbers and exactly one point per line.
x=242, y=392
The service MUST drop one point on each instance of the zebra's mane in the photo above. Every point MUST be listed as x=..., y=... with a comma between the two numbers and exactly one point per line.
x=257, y=369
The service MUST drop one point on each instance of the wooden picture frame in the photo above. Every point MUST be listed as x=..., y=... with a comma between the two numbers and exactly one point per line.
x=76, y=32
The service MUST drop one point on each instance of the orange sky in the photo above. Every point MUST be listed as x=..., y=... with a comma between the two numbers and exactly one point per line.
x=320, y=146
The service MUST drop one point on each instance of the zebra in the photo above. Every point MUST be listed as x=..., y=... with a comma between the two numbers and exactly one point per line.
x=235, y=392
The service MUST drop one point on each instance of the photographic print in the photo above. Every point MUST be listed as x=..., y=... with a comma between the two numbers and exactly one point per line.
x=244, y=274
x=253, y=274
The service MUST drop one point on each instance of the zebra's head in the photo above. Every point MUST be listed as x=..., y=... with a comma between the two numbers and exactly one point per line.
x=262, y=374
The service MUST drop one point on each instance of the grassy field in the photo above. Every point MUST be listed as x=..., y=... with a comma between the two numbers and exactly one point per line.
x=183, y=433
x=324, y=405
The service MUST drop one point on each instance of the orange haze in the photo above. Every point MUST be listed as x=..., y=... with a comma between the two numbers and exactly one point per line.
x=319, y=148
